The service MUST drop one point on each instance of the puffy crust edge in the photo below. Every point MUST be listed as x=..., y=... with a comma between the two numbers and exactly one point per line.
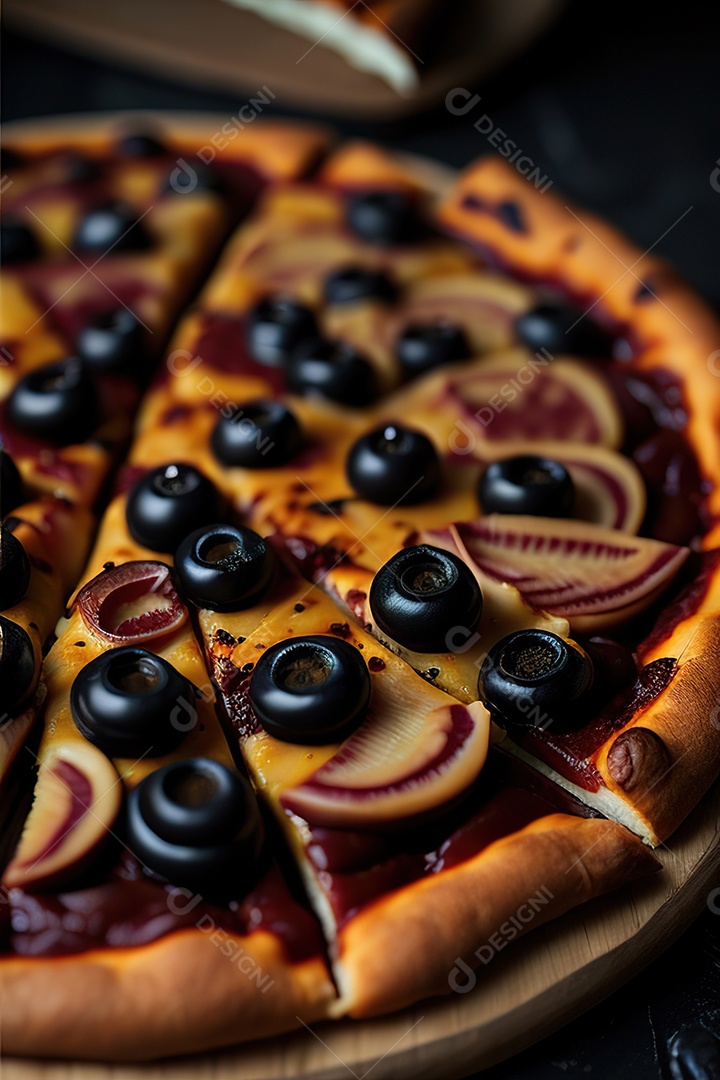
x=670, y=326
x=663, y=787
x=97, y=1005
x=277, y=149
x=431, y=927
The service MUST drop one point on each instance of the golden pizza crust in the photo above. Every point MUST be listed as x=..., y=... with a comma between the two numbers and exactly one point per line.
x=279, y=150
x=670, y=326
x=193, y=990
x=184, y=993
x=435, y=930
x=669, y=755
x=362, y=164
x=672, y=329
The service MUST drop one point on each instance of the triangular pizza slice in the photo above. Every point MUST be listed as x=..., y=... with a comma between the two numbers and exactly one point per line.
x=144, y=867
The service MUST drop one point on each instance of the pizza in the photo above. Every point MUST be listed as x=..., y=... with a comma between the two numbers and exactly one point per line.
x=348, y=609
x=387, y=38
x=99, y=254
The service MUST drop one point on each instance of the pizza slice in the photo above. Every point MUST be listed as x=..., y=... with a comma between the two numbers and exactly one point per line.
x=547, y=407
x=60, y=432
x=44, y=546
x=313, y=487
x=656, y=747
x=329, y=270
x=615, y=384
x=142, y=873
x=77, y=343
x=99, y=227
x=382, y=37
x=411, y=833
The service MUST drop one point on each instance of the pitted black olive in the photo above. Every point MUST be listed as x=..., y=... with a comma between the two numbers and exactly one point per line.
x=312, y=690
x=198, y=824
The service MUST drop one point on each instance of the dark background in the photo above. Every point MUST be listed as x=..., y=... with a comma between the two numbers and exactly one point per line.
x=618, y=104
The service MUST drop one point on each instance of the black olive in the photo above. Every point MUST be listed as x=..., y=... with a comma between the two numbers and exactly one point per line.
x=321, y=367
x=527, y=484
x=18, y=671
x=57, y=402
x=14, y=569
x=12, y=489
x=114, y=226
x=350, y=284
x=140, y=145
x=426, y=600
x=10, y=159
x=535, y=678
x=274, y=326
x=113, y=341
x=384, y=217
x=197, y=823
x=131, y=703
x=394, y=465
x=167, y=503
x=562, y=329
x=18, y=242
x=79, y=169
x=311, y=690
x=185, y=179
x=262, y=435
x=424, y=346
x=224, y=567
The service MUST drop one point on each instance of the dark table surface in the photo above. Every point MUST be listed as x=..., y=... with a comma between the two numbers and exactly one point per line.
x=618, y=105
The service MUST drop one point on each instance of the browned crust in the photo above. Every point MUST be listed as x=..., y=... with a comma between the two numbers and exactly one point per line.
x=673, y=330
x=428, y=928
x=197, y=997
x=277, y=149
x=178, y=995
x=361, y=164
x=686, y=718
x=671, y=327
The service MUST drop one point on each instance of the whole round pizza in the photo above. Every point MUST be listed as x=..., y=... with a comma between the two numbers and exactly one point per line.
x=360, y=586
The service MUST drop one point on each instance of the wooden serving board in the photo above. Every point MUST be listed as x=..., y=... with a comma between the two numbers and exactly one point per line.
x=523, y=994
